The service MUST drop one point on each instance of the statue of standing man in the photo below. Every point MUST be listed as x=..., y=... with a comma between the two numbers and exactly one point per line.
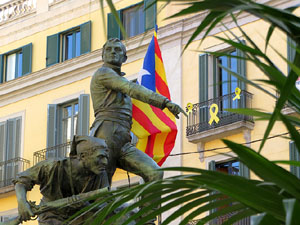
x=111, y=95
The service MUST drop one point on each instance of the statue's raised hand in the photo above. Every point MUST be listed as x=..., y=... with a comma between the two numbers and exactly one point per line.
x=175, y=109
x=25, y=211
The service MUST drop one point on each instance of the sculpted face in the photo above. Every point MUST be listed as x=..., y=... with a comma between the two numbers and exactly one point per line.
x=114, y=54
x=95, y=160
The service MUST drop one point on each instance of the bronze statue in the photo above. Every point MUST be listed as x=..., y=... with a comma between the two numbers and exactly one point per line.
x=82, y=172
x=111, y=93
x=112, y=105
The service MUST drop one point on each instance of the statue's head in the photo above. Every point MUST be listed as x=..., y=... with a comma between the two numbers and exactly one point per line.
x=114, y=52
x=92, y=151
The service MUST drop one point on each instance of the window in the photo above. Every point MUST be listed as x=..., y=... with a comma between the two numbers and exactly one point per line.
x=68, y=44
x=232, y=167
x=215, y=81
x=135, y=20
x=68, y=121
x=15, y=63
x=294, y=156
x=225, y=82
x=10, y=148
x=218, y=86
x=64, y=121
x=71, y=43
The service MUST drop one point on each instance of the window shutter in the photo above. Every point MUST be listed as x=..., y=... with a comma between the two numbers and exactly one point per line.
x=244, y=171
x=203, y=87
x=18, y=124
x=2, y=141
x=294, y=156
x=10, y=139
x=241, y=68
x=215, y=80
x=52, y=49
x=2, y=150
x=84, y=114
x=291, y=51
x=85, y=37
x=26, y=59
x=1, y=68
x=113, y=29
x=51, y=125
x=212, y=165
x=203, y=78
x=150, y=14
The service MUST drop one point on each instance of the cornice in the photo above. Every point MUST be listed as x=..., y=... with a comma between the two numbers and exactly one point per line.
x=50, y=78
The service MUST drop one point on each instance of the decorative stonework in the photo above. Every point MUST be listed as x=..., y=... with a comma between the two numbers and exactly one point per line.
x=200, y=149
x=15, y=9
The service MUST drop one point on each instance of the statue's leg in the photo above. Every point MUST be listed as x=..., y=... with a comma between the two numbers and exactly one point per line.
x=139, y=163
x=115, y=137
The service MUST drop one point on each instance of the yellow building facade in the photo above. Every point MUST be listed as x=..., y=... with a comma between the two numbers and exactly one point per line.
x=49, y=50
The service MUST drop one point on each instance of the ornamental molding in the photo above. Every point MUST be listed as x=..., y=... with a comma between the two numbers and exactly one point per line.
x=15, y=9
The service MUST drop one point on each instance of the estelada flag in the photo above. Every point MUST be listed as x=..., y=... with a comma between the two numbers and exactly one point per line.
x=155, y=128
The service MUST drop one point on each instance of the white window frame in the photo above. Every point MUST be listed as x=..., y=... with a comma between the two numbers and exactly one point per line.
x=219, y=158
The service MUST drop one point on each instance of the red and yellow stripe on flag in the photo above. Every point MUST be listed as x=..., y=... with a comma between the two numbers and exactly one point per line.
x=155, y=128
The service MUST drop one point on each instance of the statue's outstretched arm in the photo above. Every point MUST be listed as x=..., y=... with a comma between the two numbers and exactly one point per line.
x=112, y=80
x=24, y=208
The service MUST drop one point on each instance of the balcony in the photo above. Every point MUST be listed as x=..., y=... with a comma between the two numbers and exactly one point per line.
x=290, y=110
x=9, y=170
x=58, y=151
x=198, y=127
x=16, y=8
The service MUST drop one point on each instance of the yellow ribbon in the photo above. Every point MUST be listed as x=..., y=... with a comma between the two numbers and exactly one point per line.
x=237, y=92
x=213, y=115
x=189, y=107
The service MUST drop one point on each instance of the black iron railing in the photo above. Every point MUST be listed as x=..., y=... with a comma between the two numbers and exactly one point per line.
x=193, y=222
x=199, y=114
x=10, y=168
x=58, y=151
x=221, y=220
